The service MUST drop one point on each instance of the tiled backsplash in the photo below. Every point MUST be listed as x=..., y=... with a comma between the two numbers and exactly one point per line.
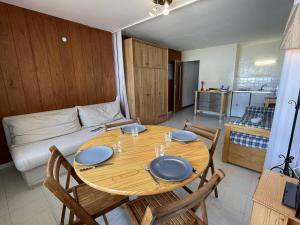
x=251, y=76
x=255, y=82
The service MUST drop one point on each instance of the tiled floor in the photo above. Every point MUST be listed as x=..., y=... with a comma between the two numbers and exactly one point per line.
x=20, y=205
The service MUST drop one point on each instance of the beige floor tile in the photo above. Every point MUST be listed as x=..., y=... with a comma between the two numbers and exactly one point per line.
x=5, y=219
x=35, y=217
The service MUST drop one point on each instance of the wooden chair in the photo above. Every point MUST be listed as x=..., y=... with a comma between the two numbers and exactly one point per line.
x=212, y=135
x=168, y=209
x=84, y=203
x=107, y=126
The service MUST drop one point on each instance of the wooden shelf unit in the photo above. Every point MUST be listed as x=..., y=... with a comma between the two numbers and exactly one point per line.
x=211, y=101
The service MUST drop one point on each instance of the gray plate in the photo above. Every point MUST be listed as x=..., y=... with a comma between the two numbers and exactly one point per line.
x=184, y=136
x=94, y=155
x=171, y=168
x=128, y=129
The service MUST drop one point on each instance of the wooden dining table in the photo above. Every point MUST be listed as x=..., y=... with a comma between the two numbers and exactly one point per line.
x=126, y=174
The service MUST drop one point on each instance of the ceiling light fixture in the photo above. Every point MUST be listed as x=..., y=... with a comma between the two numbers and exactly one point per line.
x=160, y=6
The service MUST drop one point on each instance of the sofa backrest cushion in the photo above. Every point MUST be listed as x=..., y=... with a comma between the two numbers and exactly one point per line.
x=34, y=127
x=98, y=114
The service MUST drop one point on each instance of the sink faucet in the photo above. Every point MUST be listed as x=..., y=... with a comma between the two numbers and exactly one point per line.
x=262, y=87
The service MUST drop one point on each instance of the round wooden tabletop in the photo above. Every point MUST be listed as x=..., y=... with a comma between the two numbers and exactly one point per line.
x=126, y=175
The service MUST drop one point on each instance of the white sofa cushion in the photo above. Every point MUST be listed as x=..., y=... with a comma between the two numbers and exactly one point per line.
x=98, y=114
x=32, y=155
x=34, y=127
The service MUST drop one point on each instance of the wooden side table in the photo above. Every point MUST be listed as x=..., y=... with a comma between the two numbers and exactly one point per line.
x=267, y=207
x=211, y=101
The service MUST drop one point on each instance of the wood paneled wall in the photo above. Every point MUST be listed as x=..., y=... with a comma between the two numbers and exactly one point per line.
x=40, y=72
x=172, y=56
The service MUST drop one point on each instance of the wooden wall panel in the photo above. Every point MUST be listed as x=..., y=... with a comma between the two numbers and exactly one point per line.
x=91, y=84
x=55, y=64
x=37, y=32
x=172, y=56
x=40, y=72
x=25, y=57
x=9, y=65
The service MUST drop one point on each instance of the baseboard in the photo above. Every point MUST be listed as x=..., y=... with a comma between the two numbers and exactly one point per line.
x=6, y=165
x=187, y=106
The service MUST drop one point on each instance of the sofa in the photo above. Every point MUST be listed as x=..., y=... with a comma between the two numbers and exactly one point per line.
x=30, y=136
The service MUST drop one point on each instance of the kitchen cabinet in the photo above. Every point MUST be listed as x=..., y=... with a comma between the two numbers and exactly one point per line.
x=239, y=102
x=241, y=99
x=258, y=99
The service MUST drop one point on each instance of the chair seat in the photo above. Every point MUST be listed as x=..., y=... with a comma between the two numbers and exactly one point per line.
x=96, y=202
x=137, y=209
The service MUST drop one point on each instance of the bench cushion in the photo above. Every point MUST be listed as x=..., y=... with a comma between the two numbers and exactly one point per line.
x=32, y=155
x=253, y=112
x=98, y=114
x=249, y=140
x=34, y=127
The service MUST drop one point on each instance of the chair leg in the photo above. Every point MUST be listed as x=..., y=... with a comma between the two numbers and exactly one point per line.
x=203, y=178
x=204, y=212
x=212, y=167
x=105, y=219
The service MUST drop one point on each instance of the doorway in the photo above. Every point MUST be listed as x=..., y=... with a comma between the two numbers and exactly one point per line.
x=190, y=77
x=183, y=81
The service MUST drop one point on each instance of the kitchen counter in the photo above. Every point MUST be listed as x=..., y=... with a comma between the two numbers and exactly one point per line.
x=254, y=91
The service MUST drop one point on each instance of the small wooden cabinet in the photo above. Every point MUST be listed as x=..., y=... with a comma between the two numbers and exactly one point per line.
x=146, y=80
x=267, y=207
x=211, y=101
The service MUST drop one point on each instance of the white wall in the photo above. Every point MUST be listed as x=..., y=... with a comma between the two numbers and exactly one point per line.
x=190, y=73
x=217, y=64
x=251, y=76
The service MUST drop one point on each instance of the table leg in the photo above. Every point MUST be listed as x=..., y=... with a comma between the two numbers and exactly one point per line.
x=196, y=103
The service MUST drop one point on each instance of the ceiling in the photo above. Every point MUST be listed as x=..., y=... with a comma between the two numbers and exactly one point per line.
x=208, y=23
x=110, y=15
x=201, y=24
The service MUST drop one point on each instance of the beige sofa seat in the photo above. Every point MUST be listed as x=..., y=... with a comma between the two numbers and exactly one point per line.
x=30, y=136
x=36, y=154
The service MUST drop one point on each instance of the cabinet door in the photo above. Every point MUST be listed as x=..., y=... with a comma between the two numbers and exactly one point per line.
x=138, y=53
x=161, y=92
x=157, y=55
x=145, y=98
x=262, y=215
x=239, y=102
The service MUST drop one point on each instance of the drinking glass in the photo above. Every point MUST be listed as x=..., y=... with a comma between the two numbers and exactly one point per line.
x=135, y=132
x=168, y=138
x=159, y=150
x=117, y=147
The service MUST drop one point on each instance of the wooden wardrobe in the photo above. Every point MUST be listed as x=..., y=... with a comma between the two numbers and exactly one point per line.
x=146, y=73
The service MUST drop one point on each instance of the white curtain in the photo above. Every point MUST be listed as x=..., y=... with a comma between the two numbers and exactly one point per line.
x=119, y=71
x=284, y=113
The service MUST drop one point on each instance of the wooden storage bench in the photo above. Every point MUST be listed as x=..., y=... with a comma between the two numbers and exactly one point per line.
x=252, y=158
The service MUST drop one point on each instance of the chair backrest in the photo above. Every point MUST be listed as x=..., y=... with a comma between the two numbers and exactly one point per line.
x=192, y=201
x=208, y=133
x=63, y=192
x=107, y=126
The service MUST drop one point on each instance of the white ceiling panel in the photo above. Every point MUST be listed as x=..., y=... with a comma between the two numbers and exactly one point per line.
x=208, y=23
